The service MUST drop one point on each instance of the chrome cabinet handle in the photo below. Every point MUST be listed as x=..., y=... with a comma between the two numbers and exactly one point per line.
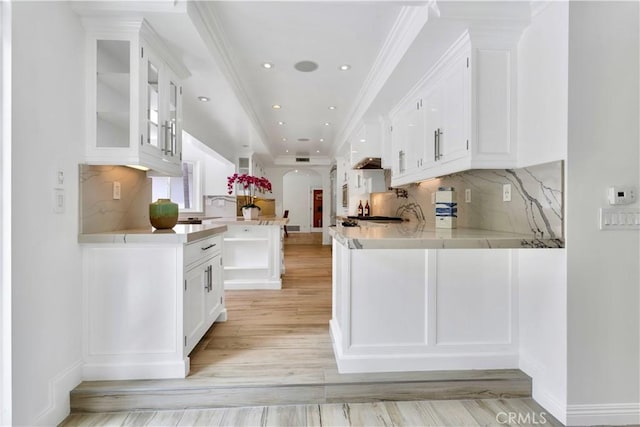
x=210, y=278
x=435, y=145
x=206, y=278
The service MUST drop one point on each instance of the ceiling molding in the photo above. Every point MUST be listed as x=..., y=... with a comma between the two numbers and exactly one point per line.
x=405, y=29
x=212, y=33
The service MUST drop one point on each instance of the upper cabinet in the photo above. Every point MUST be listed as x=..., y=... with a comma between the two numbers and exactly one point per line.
x=134, y=97
x=461, y=114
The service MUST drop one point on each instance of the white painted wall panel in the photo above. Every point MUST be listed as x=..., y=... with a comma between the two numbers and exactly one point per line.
x=473, y=296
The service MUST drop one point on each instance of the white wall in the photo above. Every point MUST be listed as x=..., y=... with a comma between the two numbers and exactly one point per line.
x=542, y=137
x=603, y=274
x=296, y=187
x=276, y=176
x=5, y=214
x=48, y=133
x=215, y=168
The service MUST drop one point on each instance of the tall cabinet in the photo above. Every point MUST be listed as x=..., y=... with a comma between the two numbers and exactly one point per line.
x=134, y=97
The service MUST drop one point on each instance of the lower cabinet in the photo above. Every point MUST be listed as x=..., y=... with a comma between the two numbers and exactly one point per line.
x=418, y=309
x=253, y=257
x=146, y=306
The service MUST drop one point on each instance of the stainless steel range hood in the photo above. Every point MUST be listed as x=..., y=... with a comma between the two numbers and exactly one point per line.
x=369, y=163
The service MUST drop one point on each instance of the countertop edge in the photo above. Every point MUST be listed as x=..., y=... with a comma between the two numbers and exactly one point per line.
x=180, y=234
x=515, y=241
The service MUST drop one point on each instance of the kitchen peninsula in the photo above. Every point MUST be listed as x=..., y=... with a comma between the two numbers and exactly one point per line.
x=253, y=252
x=410, y=297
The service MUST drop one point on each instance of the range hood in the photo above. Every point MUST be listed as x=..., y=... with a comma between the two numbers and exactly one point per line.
x=369, y=163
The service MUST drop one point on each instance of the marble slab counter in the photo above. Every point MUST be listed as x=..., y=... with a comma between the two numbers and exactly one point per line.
x=263, y=220
x=181, y=233
x=418, y=235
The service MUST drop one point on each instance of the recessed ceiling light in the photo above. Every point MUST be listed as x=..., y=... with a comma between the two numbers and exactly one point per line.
x=286, y=151
x=321, y=139
x=267, y=65
x=296, y=170
x=317, y=151
x=281, y=123
x=363, y=140
x=284, y=139
x=306, y=66
x=203, y=98
x=276, y=106
x=332, y=107
x=344, y=67
x=327, y=123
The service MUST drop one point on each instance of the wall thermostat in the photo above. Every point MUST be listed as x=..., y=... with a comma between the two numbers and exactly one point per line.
x=621, y=195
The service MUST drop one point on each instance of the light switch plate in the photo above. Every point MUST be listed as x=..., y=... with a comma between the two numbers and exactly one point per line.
x=506, y=193
x=467, y=195
x=116, y=190
x=619, y=219
x=58, y=200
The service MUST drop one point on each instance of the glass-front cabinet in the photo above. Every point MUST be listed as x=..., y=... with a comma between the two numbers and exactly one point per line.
x=134, y=97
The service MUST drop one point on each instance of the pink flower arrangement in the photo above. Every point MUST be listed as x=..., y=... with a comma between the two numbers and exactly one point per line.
x=250, y=185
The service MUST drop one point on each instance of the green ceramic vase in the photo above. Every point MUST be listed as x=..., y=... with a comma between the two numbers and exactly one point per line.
x=163, y=214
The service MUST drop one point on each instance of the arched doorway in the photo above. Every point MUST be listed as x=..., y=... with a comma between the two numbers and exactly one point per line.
x=303, y=196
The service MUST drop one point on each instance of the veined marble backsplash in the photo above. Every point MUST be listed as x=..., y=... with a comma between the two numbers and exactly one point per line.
x=536, y=200
x=99, y=212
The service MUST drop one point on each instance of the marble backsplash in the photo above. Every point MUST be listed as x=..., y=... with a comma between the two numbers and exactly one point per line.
x=536, y=200
x=99, y=212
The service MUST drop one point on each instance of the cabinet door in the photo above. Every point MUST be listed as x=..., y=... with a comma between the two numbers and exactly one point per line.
x=195, y=281
x=151, y=102
x=214, y=293
x=398, y=146
x=432, y=106
x=409, y=136
x=172, y=118
x=453, y=143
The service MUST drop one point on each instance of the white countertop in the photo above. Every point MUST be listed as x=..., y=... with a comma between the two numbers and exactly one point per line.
x=181, y=233
x=416, y=235
x=263, y=220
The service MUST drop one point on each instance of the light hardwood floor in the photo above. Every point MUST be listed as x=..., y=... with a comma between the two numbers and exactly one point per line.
x=485, y=412
x=275, y=349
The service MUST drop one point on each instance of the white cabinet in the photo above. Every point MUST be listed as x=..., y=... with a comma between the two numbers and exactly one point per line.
x=134, y=97
x=253, y=257
x=203, y=288
x=461, y=114
x=146, y=305
x=423, y=309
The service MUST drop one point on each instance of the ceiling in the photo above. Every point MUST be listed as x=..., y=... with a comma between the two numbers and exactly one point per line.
x=224, y=45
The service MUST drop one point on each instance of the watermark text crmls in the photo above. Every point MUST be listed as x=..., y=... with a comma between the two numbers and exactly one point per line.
x=532, y=418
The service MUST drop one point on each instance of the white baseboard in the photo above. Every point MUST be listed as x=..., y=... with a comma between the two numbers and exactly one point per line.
x=541, y=391
x=59, y=401
x=135, y=371
x=426, y=361
x=603, y=414
x=252, y=285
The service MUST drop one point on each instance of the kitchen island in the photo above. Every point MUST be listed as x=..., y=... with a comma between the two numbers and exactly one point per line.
x=407, y=297
x=148, y=298
x=253, y=252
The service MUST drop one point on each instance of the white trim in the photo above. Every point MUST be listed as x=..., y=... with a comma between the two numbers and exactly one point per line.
x=539, y=389
x=252, y=284
x=604, y=413
x=58, y=395
x=6, y=402
x=133, y=371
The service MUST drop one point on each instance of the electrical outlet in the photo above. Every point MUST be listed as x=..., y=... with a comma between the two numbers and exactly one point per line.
x=116, y=190
x=467, y=195
x=506, y=193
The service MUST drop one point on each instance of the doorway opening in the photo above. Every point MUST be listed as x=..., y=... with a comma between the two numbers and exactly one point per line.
x=316, y=207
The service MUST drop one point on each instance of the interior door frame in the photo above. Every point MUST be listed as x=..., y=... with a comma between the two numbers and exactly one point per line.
x=312, y=228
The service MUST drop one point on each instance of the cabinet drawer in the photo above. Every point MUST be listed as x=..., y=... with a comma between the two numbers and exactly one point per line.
x=202, y=249
x=249, y=232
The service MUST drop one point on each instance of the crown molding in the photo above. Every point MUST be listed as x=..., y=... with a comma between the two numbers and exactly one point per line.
x=405, y=29
x=213, y=35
